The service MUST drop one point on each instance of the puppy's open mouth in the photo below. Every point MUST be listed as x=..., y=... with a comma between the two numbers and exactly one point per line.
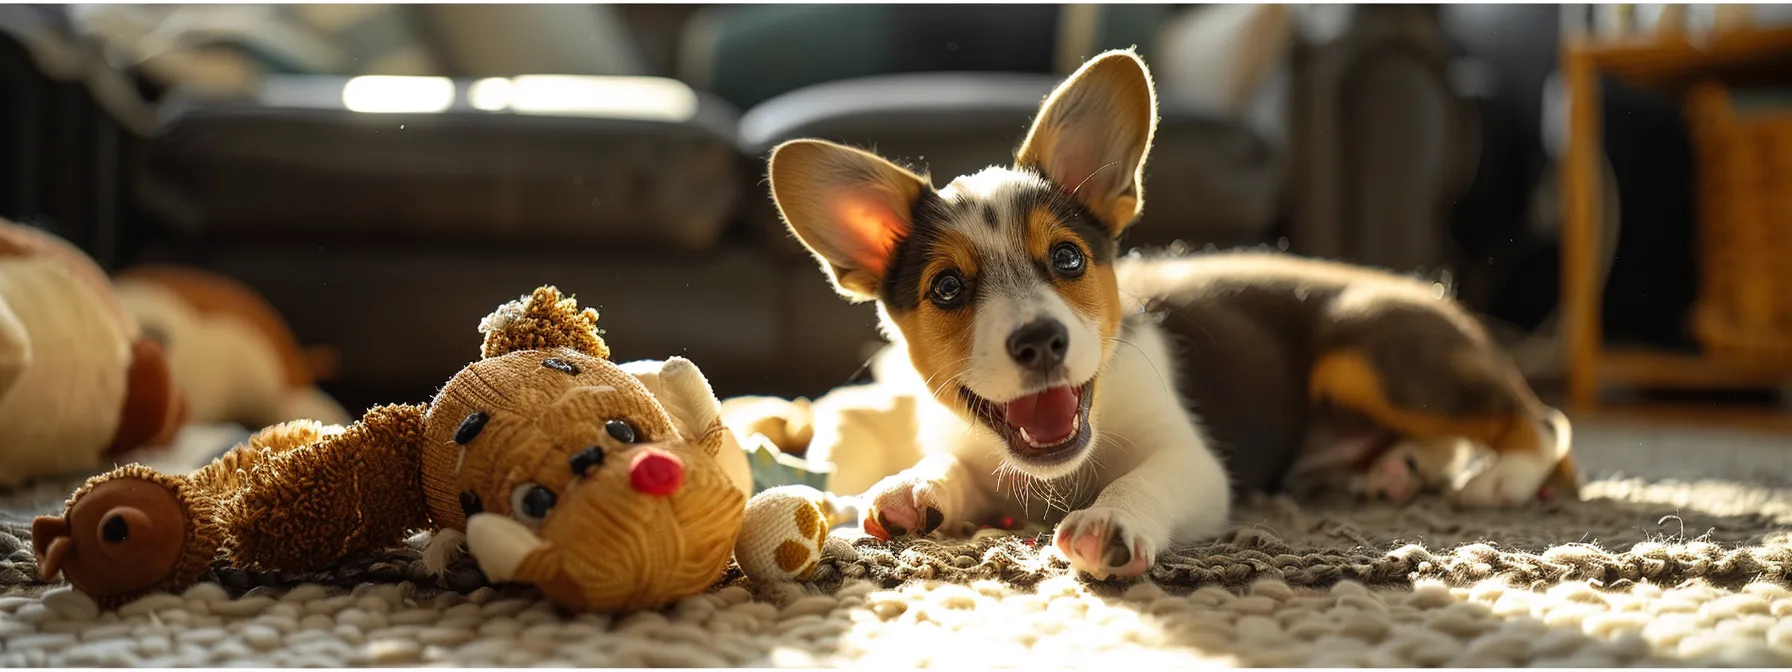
x=1047, y=427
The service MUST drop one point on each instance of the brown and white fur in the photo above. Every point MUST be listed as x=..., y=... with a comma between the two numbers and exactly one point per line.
x=1005, y=299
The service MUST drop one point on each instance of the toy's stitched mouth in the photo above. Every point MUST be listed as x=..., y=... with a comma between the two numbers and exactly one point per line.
x=1044, y=428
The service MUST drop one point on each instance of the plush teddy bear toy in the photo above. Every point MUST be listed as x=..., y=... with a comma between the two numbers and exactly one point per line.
x=79, y=383
x=553, y=465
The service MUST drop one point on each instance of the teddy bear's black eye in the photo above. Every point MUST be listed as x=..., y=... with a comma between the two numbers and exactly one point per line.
x=115, y=529
x=620, y=430
x=586, y=460
x=470, y=504
x=470, y=427
x=531, y=502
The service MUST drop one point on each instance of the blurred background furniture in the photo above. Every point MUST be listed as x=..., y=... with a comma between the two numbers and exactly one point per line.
x=1362, y=133
x=1382, y=143
x=1738, y=319
x=71, y=130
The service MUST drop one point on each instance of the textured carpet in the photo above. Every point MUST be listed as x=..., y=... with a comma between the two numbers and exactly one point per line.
x=1643, y=572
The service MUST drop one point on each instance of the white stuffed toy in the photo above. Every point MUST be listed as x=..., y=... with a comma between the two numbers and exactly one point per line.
x=78, y=381
x=786, y=527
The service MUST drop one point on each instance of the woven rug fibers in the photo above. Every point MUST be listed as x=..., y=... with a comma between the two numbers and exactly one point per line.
x=1664, y=573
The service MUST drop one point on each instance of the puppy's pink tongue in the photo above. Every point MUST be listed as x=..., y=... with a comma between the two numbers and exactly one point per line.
x=1048, y=417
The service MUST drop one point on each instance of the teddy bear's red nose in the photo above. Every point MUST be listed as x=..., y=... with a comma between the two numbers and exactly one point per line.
x=655, y=472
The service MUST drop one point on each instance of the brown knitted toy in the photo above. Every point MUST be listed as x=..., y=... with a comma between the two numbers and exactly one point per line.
x=559, y=466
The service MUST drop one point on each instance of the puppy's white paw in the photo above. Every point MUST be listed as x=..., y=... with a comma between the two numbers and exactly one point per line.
x=1512, y=479
x=908, y=503
x=1105, y=541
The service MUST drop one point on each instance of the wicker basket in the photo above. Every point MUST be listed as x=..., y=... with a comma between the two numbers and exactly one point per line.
x=1744, y=308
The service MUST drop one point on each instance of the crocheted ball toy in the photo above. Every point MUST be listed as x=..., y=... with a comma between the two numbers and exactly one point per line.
x=554, y=465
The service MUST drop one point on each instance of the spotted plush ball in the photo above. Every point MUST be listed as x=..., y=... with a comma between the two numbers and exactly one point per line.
x=783, y=534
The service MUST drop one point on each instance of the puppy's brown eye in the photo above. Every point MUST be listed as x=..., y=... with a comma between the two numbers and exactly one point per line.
x=1067, y=259
x=947, y=290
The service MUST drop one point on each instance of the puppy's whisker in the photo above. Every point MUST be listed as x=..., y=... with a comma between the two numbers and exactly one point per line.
x=1148, y=360
x=1127, y=448
x=928, y=383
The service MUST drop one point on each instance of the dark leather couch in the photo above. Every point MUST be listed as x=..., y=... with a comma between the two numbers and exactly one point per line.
x=388, y=236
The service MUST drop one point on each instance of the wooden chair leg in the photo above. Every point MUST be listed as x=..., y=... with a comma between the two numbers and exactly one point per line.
x=1581, y=185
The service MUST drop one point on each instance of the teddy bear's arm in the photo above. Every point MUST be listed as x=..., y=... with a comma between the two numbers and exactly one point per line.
x=228, y=473
x=350, y=493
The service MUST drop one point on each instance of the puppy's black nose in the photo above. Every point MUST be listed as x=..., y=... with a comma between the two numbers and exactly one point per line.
x=1039, y=345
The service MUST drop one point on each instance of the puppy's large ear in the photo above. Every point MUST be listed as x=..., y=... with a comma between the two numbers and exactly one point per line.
x=848, y=206
x=1093, y=134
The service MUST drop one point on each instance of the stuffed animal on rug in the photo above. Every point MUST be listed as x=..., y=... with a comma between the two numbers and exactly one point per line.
x=231, y=353
x=552, y=465
x=78, y=380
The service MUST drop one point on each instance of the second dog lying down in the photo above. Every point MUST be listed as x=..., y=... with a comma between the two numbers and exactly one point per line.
x=1127, y=400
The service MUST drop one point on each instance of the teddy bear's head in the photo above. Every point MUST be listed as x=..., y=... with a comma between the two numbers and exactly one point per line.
x=567, y=473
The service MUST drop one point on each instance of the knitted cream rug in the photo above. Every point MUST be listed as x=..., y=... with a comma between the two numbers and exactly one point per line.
x=1637, y=574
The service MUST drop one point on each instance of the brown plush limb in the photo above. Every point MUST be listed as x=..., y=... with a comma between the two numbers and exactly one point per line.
x=172, y=531
x=225, y=475
x=345, y=494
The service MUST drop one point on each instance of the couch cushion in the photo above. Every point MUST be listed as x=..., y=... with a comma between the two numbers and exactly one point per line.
x=750, y=53
x=295, y=164
x=1208, y=180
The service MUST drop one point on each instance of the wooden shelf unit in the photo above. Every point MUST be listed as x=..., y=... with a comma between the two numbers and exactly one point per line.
x=1667, y=63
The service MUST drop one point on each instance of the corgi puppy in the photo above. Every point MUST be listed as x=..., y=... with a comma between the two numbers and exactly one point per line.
x=1125, y=400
